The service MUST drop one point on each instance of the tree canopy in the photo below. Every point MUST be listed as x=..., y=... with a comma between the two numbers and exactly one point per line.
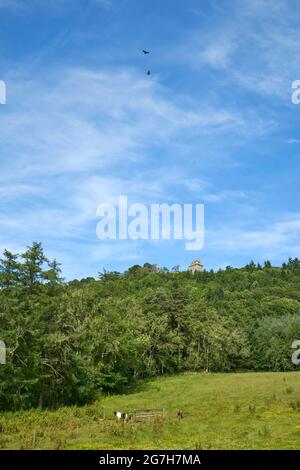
x=69, y=341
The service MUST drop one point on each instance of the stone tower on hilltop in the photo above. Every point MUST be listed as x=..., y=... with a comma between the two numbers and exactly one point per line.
x=196, y=266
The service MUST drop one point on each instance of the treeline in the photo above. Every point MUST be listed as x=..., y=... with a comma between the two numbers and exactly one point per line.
x=68, y=342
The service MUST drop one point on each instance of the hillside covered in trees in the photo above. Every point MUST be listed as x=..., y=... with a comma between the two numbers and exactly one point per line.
x=69, y=341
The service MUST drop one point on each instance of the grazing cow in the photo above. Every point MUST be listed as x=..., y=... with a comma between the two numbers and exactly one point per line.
x=179, y=414
x=121, y=416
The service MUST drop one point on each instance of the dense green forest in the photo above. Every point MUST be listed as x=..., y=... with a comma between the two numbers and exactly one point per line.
x=69, y=341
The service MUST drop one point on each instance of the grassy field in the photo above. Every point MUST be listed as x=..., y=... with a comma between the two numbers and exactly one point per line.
x=222, y=411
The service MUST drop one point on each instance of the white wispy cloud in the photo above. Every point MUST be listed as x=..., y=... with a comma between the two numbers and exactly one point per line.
x=214, y=50
x=275, y=239
x=227, y=194
x=81, y=119
x=81, y=137
x=257, y=45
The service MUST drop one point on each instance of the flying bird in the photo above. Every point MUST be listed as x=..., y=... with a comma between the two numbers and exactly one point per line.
x=148, y=73
x=146, y=52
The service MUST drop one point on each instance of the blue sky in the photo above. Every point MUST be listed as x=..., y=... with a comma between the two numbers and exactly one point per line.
x=213, y=124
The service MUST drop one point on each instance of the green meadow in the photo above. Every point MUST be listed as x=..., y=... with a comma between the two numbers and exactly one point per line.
x=221, y=411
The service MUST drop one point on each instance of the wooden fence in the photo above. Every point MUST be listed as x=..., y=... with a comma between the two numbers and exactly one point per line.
x=148, y=415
